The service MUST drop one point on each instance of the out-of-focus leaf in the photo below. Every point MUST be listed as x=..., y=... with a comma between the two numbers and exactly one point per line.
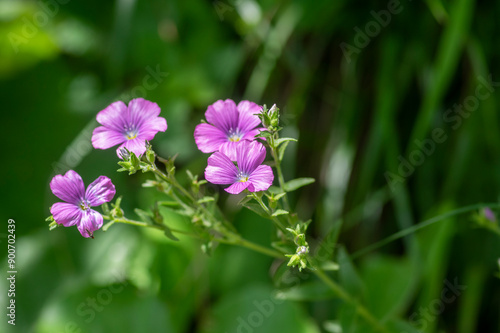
x=306, y=291
x=294, y=184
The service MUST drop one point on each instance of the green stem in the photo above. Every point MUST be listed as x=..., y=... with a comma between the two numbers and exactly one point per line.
x=422, y=225
x=268, y=212
x=251, y=246
x=225, y=229
x=261, y=203
x=147, y=225
x=195, y=203
x=281, y=179
x=342, y=294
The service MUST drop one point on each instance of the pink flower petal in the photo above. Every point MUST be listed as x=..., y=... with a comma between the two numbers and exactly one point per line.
x=209, y=138
x=148, y=130
x=229, y=149
x=140, y=111
x=261, y=178
x=237, y=187
x=65, y=213
x=69, y=188
x=100, y=191
x=220, y=169
x=114, y=116
x=249, y=155
x=250, y=136
x=223, y=114
x=90, y=222
x=247, y=119
x=104, y=138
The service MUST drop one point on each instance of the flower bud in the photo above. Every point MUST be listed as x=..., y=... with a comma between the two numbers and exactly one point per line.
x=302, y=250
x=124, y=153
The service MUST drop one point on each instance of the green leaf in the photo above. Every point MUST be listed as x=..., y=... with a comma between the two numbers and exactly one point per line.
x=281, y=150
x=387, y=288
x=144, y=216
x=282, y=140
x=236, y=313
x=170, y=203
x=348, y=275
x=274, y=189
x=206, y=199
x=294, y=184
x=329, y=266
x=263, y=134
x=169, y=234
x=306, y=291
x=280, y=212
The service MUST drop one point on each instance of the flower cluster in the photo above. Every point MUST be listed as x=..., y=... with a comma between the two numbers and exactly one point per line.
x=230, y=133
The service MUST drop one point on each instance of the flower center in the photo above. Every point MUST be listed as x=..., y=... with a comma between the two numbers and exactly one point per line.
x=131, y=132
x=242, y=177
x=84, y=205
x=234, y=135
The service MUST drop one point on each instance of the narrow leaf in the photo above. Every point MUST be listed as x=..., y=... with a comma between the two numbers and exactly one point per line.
x=281, y=140
x=294, y=184
x=281, y=150
x=307, y=291
x=144, y=216
x=205, y=199
x=169, y=234
x=280, y=212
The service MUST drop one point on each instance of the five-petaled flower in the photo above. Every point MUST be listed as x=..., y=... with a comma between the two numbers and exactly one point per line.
x=249, y=173
x=76, y=208
x=228, y=126
x=128, y=126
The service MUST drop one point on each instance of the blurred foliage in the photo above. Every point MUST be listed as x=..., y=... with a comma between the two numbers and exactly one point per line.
x=357, y=117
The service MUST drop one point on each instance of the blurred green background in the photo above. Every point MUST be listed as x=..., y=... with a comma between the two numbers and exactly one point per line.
x=363, y=85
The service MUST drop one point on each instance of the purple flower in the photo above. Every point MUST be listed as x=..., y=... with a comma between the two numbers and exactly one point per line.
x=248, y=174
x=76, y=208
x=229, y=125
x=128, y=127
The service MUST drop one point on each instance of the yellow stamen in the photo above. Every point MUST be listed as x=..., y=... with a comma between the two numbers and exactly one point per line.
x=131, y=136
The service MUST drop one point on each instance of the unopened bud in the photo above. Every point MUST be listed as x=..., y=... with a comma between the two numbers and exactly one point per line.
x=302, y=250
x=124, y=153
